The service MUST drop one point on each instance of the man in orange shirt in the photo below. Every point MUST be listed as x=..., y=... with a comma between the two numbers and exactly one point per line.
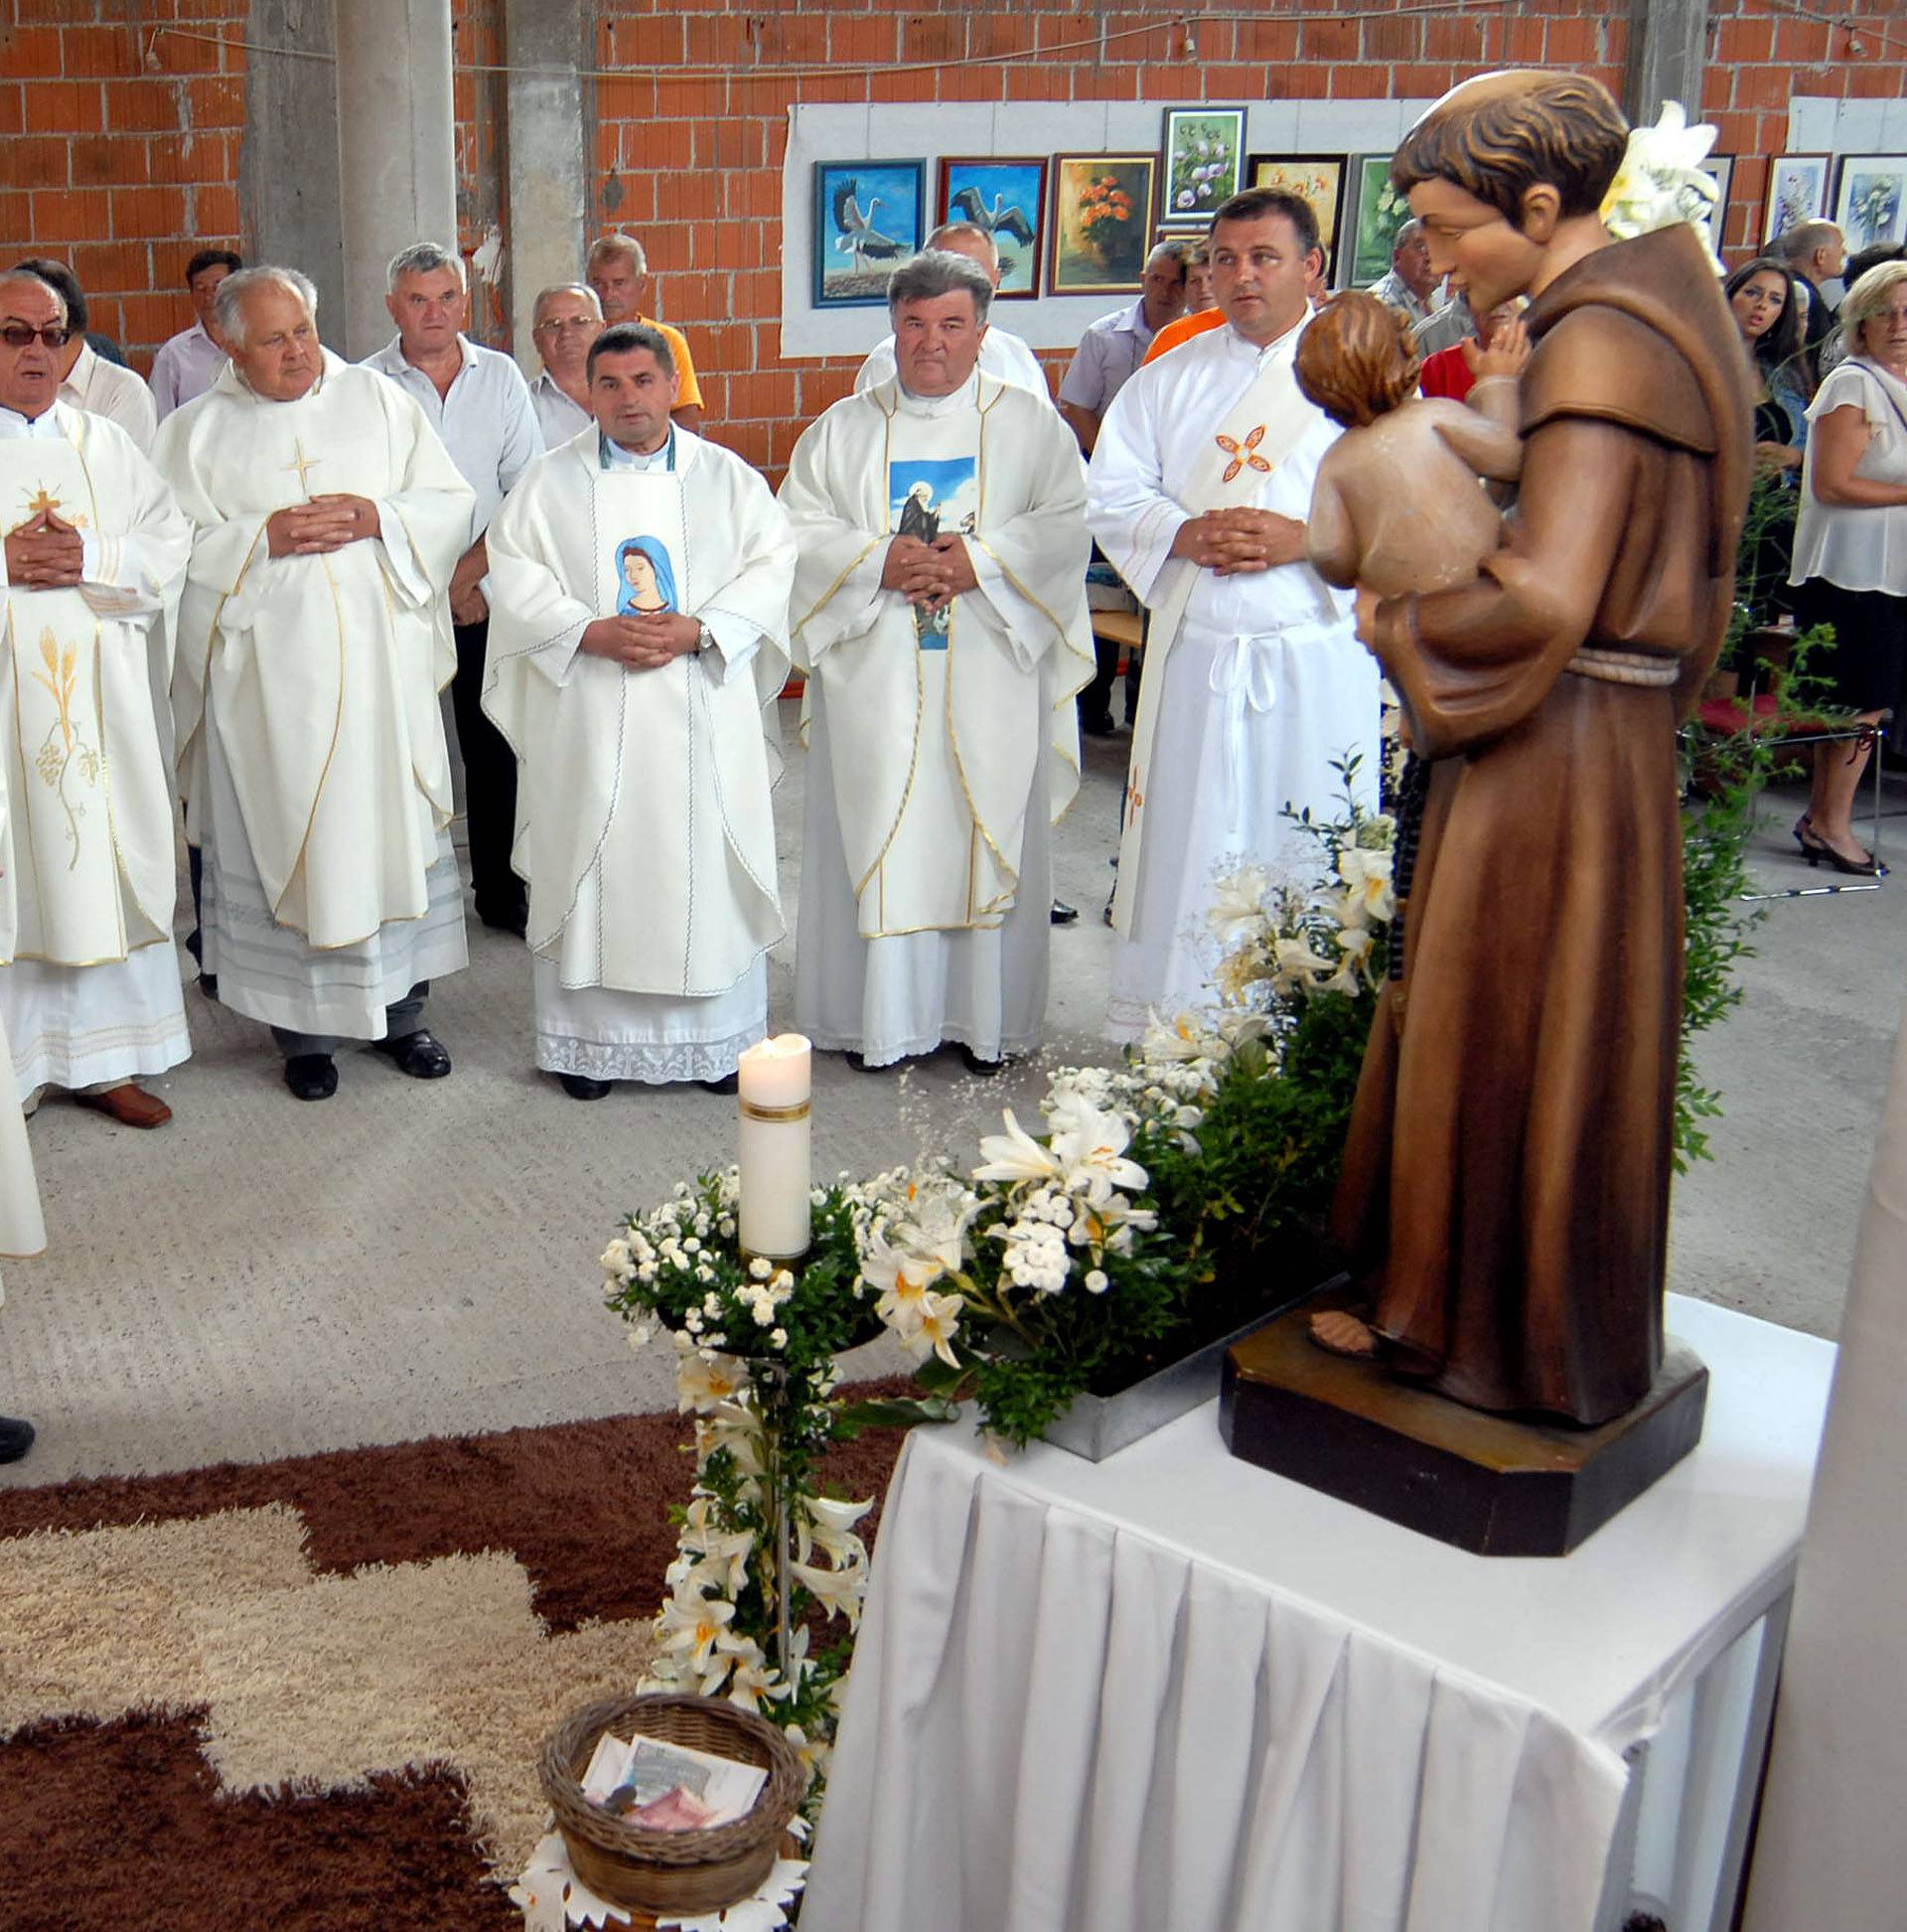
x=1202, y=311
x=616, y=268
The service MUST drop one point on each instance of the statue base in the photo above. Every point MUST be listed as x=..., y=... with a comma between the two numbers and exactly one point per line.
x=1496, y=1485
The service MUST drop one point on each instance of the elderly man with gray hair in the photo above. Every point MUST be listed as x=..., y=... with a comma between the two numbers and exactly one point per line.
x=940, y=611
x=478, y=401
x=312, y=637
x=1813, y=253
x=565, y=322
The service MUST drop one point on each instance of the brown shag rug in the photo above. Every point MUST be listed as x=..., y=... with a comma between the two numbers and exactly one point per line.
x=310, y=1695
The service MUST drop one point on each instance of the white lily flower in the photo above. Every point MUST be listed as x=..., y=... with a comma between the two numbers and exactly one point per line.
x=1015, y=1157
x=1093, y=1148
x=690, y=1626
x=1297, y=964
x=1662, y=181
x=1238, y=902
x=704, y=1384
x=939, y=1323
x=1366, y=880
x=752, y=1676
x=837, y=1590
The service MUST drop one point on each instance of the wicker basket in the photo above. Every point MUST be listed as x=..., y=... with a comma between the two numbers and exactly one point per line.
x=671, y=1872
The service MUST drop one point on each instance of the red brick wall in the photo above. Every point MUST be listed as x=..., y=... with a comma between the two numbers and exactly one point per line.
x=119, y=161
x=123, y=166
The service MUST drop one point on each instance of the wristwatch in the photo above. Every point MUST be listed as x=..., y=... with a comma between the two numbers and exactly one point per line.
x=704, y=640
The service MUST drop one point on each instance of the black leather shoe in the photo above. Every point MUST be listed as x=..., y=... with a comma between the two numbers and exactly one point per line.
x=974, y=1064
x=859, y=1063
x=208, y=984
x=312, y=1076
x=728, y=1083
x=421, y=1055
x=516, y=921
x=1063, y=914
x=579, y=1087
x=16, y=1438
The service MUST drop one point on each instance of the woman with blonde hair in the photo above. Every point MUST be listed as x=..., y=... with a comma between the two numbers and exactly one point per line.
x=1850, y=545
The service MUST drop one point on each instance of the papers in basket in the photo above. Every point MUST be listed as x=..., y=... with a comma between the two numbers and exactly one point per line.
x=669, y=1787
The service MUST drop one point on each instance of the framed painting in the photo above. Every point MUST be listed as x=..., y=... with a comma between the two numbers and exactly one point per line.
x=1314, y=178
x=1797, y=192
x=1204, y=162
x=1870, y=200
x=1102, y=224
x=1377, y=212
x=867, y=222
x=1721, y=169
x=1005, y=196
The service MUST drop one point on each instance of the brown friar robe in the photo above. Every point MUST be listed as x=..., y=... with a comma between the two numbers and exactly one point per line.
x=1510, y=1151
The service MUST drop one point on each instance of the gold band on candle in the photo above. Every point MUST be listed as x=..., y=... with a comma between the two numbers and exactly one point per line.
x=752, y=1111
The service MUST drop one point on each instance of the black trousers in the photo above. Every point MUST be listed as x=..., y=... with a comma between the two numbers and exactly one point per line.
x=489, y=785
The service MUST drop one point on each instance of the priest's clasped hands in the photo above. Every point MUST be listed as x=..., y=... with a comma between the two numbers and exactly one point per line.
x=645, y=641
x=322, y=524
x=44, y=553
x=931, y=575
x=1234, y=542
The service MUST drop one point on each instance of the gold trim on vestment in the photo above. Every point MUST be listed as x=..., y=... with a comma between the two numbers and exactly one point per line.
x=754, y=1110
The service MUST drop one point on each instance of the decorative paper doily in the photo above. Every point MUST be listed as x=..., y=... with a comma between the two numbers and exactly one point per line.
x=552, y=1898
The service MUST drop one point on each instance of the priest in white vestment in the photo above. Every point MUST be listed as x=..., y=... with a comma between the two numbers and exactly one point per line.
x=939, y=610
x=1254, y=680
x=640, y=579
x=314, y=638
x=95, y=553
x=1002, y=356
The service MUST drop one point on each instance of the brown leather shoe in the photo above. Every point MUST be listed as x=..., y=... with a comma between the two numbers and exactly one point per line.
x=131, y=1105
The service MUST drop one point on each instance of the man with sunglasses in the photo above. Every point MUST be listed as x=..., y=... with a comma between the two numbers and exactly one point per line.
x=87, y=379
x=95, y=554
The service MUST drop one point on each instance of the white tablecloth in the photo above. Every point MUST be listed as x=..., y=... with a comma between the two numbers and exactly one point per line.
x=1173, y=1691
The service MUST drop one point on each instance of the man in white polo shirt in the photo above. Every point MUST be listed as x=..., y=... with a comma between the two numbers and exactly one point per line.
x=565, y=321
x=189, y=363
x=479, y=403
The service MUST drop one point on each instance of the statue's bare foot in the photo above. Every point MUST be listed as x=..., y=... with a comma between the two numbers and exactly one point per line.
x=1340, y=1333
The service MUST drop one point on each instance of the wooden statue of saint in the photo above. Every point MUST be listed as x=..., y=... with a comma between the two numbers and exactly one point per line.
x=1506, y=1180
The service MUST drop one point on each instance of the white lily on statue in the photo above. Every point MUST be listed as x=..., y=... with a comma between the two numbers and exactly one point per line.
x=1662, y=181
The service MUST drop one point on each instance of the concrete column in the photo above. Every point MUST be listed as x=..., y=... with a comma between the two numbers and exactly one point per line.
x=546, y=41
x=288, y=163
x=1666, y=59
x=397, y=148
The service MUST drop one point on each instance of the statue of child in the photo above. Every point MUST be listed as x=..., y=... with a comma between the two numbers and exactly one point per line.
x=1398, y=506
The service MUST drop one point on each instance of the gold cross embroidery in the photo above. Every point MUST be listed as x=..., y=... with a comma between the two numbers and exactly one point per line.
x=1134, y=797
x=44, y=501
x=1242, y=455
x=302, y=464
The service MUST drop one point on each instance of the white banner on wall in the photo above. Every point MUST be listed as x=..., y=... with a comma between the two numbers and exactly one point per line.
x=903, y=131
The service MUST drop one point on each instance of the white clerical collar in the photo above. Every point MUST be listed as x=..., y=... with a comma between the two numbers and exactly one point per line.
x=16, y=427
x=1239, y=346
x=964, y=397
x=617, y=456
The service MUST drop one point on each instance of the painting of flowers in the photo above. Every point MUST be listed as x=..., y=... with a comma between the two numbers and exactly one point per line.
x=1102, y=223
x=1797, y=192
x=1204, y=162
x=1871, y=206
x=1377, y=212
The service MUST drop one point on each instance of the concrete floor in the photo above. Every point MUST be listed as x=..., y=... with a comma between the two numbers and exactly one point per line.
x=264, y=1278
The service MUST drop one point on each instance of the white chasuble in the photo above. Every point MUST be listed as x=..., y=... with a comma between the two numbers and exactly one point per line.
x=938, y=728
x=645, y=828
x=320, y=674
x=88, y=852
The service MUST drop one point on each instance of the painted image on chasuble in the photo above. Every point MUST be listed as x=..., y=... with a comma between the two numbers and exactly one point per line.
x=645, y=577
x=929, y=498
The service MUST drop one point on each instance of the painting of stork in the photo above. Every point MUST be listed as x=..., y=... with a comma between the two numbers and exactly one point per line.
x=1006, y=197
x=867, y=222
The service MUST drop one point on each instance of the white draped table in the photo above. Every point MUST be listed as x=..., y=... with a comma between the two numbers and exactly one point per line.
x=1173, y=1693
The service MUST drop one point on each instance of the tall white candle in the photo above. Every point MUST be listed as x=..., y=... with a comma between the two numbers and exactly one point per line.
x=774, y=1085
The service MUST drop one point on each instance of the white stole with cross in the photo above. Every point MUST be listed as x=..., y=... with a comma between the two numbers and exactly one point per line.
x=1264, y=427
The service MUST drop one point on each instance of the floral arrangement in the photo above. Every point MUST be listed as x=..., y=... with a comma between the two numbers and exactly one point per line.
x=1203, y=165
x=1662, y=181
x=1062, y=1260
x=1102, y=200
